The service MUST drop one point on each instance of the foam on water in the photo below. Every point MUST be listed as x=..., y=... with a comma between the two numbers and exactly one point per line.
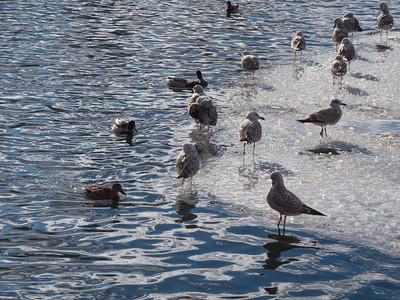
x=358, y=188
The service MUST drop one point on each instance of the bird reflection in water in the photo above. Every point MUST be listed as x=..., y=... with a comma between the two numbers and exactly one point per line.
x=184, y=205
x=103, y=203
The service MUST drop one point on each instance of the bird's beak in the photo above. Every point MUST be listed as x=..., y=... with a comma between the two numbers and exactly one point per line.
x=343, y=103
x=134, y=128
x=122, y=192
x=262, y=118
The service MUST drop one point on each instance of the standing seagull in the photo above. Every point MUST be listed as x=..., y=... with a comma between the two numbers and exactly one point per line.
x=327, y=116
x=346, y=50
x=203, y=111
x=298, y=42
x=351, y=23
x=197, y=92
x=250, y=130
x=340, y=32
x=187, y=162
x=385, y=20
x=338, y=68
x=285, y=202
x=250, y=63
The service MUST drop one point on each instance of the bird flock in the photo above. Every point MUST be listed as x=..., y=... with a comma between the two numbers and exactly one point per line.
x=204, y=113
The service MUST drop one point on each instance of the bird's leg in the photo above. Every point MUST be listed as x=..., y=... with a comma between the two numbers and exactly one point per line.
x=254, y=147
x=322, y=132
x=284, y=225
x=279, y=222
x=183, y=180
x=326, y=135
x=244, y=148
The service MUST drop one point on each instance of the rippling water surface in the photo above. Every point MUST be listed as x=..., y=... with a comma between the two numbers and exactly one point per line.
x=69, y=68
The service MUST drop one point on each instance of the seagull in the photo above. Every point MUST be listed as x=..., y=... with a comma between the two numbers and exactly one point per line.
x=338, y=68
x=101, y=192
x=122, y=126
x=340, y=32
x=285, y=202
x=179, y=82
x=298, y=42
x=327, y=116
x=250, y=62
x=203, y=111
x=385, y=20
x=346, y=50
x=351, y=23
x=197, y=92
x=187, y=162
x=250, y=130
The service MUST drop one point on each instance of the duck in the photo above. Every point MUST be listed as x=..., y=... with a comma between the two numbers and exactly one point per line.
x=250, y=62
x=250, y=130
x=187, y=162
x=122, y=126
x=101, y=192
x=385, y=20
x=179, y=82
x=231, y=8
x=298, y=42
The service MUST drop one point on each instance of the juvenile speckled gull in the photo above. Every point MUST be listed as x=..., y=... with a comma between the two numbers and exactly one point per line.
x=203, y=111
x=285, y=202
x=351, y=23
x=340, y=32
x=250, y=62
x=122, y=126
x=385, y=20
x=347, y=50
x=327, y=116
x=197, y=92
x=187, y=162
x=298, y=42
x=250, y=130
x=179, y=82
x=338, y=68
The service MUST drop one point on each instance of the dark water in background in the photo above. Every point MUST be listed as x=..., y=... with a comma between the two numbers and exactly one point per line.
x=69, y=68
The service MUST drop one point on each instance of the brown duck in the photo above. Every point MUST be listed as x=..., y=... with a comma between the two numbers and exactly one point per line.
x=101, y=192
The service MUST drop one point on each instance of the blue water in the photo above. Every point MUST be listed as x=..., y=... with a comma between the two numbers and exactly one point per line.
x=69, y=68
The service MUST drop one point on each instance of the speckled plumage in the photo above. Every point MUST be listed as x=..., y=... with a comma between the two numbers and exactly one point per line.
x=285, y=202
x=250, y=130
x=187, y=162
x=101, y=192
x=347, y=50
x=250, y=62
x=298, y=42
x=122, y=126
x=197, y=92
x=351, y=23
x=327, y=116
x=338, y=68
x=203, y=111
x=385, y=20
x=340, y=32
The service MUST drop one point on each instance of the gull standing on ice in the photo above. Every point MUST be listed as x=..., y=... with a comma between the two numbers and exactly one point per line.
x=250, y=62
x=187, y=162
x=197, y=92
x=351, y=23
x=203, y=111
x=346, y=50
x=285, y=202
x=298, y=42
x=338, y=68
x=340, y=32
x=250, y=130
x=327, y=116
x=179, y=82
x=385, y=20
